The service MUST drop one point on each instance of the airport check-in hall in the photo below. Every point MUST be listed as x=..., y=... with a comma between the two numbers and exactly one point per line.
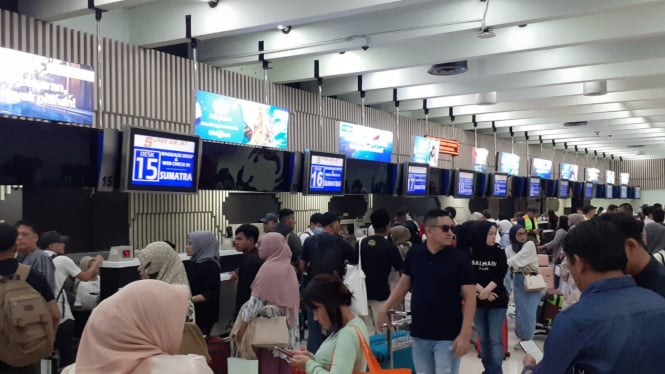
x=227, y=164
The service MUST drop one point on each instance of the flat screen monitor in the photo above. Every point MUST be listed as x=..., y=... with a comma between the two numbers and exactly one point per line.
x=600, y=191
x=499, y=185
x=464, y=183
x=227, y=119
x=638, y=192
x=323, y=173
x=415, y=179
x=479, y=157
x=549, y=187
x=541, y=168
x=588, y=190
x=439, y=182
x=577, y=190
x=563, y=188
x=365, y=143
x=616, y=191
x=631, y=192
x=624, y=178
x=508, y=163
x=158, y=161
x=481, y=184
x=610, y=177
x=623, y=192
x=609, y=191
x=426, y=151
x=592, y=175
x=365, y=177
x=534, y=187
x=518, y=186
x=41, y=87
x=569, y=172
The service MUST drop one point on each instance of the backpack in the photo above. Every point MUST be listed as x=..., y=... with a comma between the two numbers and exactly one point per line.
x=415, y=232
x=26, y=327
x=326, y=257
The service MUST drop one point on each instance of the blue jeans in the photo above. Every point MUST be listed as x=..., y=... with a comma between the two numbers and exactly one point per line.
x=526, y=306
x=434, y=357
x=508, y=283
x=489, y=325
x=315, y=334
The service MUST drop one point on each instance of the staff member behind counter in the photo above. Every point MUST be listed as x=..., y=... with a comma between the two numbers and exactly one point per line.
x=203, y=274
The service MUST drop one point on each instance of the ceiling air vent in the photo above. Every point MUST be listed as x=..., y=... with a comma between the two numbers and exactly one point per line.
x=449, y=68
x=575, y=123
x=635, y=146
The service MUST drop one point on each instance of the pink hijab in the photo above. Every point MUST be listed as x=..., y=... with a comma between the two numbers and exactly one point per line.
x=146, y=318
x=276, y=282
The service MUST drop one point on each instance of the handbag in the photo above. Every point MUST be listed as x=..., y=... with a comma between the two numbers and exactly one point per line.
x=193, y=342
x=268, y=332
x=373, y=365
x=355, y=281
x=242, y=366
x=534, y=282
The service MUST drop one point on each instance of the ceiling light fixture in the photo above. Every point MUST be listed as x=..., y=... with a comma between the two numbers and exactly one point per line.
x=575, y=123
x=284, y=29
x=595, y=88
x=485, y=32
x=213, y=3
x=449, y=68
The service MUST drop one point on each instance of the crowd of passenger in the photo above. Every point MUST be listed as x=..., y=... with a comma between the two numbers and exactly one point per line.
x=457, y=281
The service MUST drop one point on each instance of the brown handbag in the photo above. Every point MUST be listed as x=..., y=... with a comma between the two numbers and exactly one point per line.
x=193, y=342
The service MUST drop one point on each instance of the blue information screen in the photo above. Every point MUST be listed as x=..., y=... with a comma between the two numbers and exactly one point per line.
x=500, y=188
x=326, y=174
x=609, y=191
x=588, y=190
x=465, y=184
x=163, y=162
x=534, y=187
x=563, y=189
x=623, y=192
x=416, y=180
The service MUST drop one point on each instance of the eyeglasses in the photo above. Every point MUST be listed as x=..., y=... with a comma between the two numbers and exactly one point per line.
x=444, y=228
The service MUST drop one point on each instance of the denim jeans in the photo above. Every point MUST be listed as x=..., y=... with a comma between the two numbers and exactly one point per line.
x=526, y=306
x=489, y=325
x=434, y=357
x=314, y=333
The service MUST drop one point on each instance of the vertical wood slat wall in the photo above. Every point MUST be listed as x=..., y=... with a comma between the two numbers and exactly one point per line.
x=154, y=90
x=649, y=174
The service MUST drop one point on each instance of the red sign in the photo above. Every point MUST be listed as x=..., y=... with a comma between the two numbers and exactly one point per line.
x=447, y=146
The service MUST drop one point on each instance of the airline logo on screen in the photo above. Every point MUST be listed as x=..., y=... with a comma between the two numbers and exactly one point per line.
x=163, y=162
x=447, y=146
x=326, y=174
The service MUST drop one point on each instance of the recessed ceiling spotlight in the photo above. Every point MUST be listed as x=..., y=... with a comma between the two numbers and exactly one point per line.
x=284, y=29
x=213, y=3
x=486, y=33
x=522, y=25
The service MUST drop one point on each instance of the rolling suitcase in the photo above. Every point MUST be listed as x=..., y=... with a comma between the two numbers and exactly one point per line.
x=393, y=349
x=504, y=338
x=219, y=350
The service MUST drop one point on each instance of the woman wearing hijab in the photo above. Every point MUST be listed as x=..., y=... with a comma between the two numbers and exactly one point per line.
x=159, y=261
x=490, y=265
x=523, y=259
x=276, y=284
x=138, y=330
x=654, y=237
x=203, y=275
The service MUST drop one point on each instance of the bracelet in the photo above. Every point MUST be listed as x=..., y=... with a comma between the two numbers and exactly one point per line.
x=528, y=369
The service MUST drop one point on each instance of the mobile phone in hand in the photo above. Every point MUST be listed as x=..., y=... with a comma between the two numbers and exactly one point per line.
x=283, y=351
x=530, y=347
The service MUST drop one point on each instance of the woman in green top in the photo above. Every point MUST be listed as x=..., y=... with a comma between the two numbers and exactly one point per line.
x=340, y=353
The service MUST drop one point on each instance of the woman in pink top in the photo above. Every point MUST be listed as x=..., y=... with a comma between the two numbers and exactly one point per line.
x=138, y=330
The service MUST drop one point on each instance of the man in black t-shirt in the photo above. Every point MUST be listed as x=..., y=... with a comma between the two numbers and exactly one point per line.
x=8, y=266
x=245, y=242
x=379, y=256
x=440, y=277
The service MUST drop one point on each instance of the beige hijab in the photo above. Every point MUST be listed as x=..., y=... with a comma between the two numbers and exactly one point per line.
x=163, y=260
x=142, y=320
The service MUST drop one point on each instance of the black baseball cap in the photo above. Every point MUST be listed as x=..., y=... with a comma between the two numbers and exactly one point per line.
x=51, y=237
x=269, y=217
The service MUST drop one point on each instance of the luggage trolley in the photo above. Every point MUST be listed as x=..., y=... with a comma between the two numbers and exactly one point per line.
x=393, y=349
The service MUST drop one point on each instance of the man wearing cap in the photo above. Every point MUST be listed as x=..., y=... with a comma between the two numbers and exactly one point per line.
x=269, y=222
x=326, y=253
x=589, y=212
x=65, y=268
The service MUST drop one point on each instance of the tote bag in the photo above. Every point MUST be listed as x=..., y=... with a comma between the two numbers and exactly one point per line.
x=355, y=281
x=193, y=342
x=242, y=366
x=534, y=282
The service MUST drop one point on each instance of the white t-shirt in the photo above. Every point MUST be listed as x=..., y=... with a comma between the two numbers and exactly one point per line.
x=64, y=268
x=305, y=234
x=87, y=294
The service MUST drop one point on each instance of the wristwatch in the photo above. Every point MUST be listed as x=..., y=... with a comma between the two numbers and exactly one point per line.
x=528, y=369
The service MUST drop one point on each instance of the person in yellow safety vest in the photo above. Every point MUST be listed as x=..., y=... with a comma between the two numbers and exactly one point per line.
x=530, y=223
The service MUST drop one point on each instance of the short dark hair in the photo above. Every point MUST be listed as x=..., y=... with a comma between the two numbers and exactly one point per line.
x=600, y=242
x=330, y=291
x=627, y=207
x=315, y=218
x=380, y=219
x=588, y=208
x=658, y=206
x=8, y=235
x=659, y=215
x=487, y=213
x=285, y=213
x=452, y=212
x=612, y=208
x=433, y=215
x=250, y=232
x=401, y=212
x=646, y=210
x=563, y=223
x=26, y=223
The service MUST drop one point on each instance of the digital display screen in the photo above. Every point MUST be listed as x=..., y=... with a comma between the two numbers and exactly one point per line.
x=326, y=174
x=609, y=189
x=610, y=177
x=365, y=177
x=624, y=192
x=569, y=172
x=365, y=143
x=564, y=189
x=479, y=158
x=534, y=187
x=638, y=192
x=592, y=175
x=588, y=190
x=227, y=119
x=416, y=180
x=541, y=168
x=624, y=178
x=426, y=151
x=41, y=87
x=464, y=184
x=508, y=163
x=500, y=187
x=160, y=161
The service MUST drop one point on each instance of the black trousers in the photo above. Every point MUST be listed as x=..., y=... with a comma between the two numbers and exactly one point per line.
x=64, y=343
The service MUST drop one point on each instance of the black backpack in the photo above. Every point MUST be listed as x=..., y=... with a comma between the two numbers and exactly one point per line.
x=326, y=256
x=415, y=232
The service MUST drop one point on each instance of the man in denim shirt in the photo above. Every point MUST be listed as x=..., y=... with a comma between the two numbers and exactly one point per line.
x=616, y=327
